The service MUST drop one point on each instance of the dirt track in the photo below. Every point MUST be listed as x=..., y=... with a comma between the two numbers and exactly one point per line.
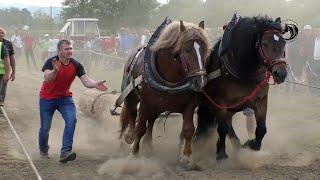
x=290, y=150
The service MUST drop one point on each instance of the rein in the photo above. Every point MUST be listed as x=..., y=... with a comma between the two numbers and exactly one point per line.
x=253, y=94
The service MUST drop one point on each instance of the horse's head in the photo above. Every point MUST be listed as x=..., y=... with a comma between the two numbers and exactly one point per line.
x=192, y=50
x=271, y=49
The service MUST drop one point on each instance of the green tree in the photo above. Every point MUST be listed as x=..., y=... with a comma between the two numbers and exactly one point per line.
x=15, y=17
x=112, y=13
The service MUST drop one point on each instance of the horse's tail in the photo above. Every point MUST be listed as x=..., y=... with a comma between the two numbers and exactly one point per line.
x=206, y=121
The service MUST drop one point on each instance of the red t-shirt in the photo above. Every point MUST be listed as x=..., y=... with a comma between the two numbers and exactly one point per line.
x=28, y=42
x=60, y=87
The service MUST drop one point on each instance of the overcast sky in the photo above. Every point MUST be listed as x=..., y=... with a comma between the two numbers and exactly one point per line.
x=42, y=3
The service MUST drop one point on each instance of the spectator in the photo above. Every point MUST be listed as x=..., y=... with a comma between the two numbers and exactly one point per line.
x=17, y=43
x=4, y=64
x=5, y=71
x=29, y=43
x=52, y=46
x=44, y=45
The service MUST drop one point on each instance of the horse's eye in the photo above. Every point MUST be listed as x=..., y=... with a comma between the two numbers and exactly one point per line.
x=265, y=44
x=189, y=50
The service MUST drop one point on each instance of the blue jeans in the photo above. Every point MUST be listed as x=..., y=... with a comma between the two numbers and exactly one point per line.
x=67, y=109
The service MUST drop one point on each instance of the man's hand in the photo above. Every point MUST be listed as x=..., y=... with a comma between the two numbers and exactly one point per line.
x=56, y=64
x=101, y=86
x=6, y=77
x=13, y=76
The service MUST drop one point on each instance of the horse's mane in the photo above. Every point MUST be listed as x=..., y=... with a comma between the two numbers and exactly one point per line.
x=248, y=30
x=172, y=38
x=252, y=26
x=258, y=24
x=243, y=41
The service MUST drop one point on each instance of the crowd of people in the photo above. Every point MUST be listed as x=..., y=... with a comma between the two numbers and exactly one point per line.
x=121, y=44
x=303, y=57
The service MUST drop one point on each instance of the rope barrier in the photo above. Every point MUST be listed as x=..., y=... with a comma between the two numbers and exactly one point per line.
x=315, y=87
x=21, y=144
x=103, y=54
x=294, y=77
x=107, y=55
x=311, y=71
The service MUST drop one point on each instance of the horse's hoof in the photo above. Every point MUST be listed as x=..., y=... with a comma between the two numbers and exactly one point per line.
x=222, y=156
x=148, y=150
x=190, y=167
x=128, y=139
x=187, y=164
x=122, y=146
x=253, y=145
x=133, y=156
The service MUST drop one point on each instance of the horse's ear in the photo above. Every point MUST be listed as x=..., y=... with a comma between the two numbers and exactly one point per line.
x=182, y=27
x=201, y=25
x=278, y=20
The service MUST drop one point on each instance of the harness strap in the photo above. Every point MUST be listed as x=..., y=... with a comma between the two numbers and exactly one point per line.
x=241, y=102
x=184, y=64
x=133, y=62
x=213, y=75
x=134, y=83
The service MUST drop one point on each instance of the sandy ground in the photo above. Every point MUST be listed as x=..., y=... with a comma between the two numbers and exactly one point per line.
x=290, y=150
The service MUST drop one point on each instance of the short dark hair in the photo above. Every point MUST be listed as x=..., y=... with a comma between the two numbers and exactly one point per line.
x=63, y=41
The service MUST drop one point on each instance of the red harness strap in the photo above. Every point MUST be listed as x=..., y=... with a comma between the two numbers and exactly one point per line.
x=184, y=64
x=244, y=100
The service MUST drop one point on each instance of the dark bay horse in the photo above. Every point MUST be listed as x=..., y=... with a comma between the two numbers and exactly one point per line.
x=180, y=54
x=253, y=51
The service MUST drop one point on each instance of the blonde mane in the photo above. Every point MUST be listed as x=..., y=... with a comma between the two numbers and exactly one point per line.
x=172, y=38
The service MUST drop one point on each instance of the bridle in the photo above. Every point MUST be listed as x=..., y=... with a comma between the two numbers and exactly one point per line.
x=266, y=60
x=190, y=73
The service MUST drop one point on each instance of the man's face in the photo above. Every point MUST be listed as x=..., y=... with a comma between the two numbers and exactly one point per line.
x=65, y=51
x=308, y=32
x=1, y=34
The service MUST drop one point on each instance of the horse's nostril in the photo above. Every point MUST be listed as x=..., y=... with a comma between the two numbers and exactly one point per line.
x=275, y=73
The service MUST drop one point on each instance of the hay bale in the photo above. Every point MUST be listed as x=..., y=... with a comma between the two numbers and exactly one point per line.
x=97, y=104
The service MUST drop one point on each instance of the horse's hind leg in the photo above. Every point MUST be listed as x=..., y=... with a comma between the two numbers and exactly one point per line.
x=128, y=118
x=129, y=136
x=147, y=140
x=206, y=121
x=123, y=120
x=140, y=129
x=235, y=141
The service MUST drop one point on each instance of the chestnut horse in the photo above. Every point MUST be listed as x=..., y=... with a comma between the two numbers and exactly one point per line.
x=179, y=58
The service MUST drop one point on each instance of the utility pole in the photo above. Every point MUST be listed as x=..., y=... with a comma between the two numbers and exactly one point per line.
x=51, y=20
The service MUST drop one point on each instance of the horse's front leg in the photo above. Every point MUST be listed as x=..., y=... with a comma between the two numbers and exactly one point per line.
x=188, y=132
x=261, y=129
x=221, y=144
